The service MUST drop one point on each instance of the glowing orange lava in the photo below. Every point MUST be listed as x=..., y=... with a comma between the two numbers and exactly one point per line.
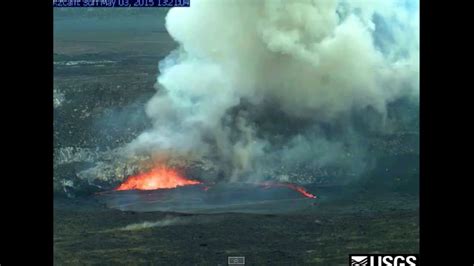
x=291, y=186
x=301, y=190
x=158, y=178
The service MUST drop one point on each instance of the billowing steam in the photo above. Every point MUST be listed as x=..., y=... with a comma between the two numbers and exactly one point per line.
x=258, y=85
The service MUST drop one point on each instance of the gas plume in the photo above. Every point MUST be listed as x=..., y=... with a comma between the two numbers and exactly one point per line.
x=255, y=86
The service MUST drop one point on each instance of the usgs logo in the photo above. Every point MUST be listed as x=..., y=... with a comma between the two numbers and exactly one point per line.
x=383, y=260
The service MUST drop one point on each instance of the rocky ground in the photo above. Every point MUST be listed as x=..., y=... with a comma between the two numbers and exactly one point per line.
x=103, y=76
x=88, y=233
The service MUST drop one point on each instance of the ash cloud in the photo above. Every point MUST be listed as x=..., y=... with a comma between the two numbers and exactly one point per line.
x=259, y=85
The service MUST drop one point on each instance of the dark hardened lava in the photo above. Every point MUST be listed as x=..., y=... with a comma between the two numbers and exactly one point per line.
x=218, y=198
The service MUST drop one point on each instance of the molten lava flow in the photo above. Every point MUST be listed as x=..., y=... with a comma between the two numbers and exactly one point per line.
x=158, y=178
x=301, y=190
x=291, y=186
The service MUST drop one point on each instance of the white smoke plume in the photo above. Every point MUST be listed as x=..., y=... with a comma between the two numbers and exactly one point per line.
x=171, y=221
x=313, y=63
x=160, y=223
